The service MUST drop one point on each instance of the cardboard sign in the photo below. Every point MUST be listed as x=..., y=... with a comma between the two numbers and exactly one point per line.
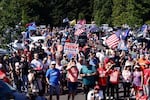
x=71, y=48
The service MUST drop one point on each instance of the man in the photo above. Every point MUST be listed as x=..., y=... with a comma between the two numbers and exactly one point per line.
x=146, y=79
x=88, y=74
x=95, y=94
x=52, y=78
x=72, y=76
x=37, y=63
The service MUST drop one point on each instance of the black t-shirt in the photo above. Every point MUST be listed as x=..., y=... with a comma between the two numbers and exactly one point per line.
x=25, y=67
x=13, y=60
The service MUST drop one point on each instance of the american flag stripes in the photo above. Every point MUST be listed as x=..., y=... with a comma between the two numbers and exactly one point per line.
x=79, y=31
x=112, y=41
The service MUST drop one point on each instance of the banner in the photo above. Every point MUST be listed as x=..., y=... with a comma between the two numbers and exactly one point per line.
x=71, y=49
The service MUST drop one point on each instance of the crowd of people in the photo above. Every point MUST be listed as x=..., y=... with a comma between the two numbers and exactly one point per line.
x=98, y=68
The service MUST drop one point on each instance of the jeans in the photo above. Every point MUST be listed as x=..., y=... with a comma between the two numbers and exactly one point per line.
x=114, y=90
x=87, y=89
x=126, y=86
x=146, y=89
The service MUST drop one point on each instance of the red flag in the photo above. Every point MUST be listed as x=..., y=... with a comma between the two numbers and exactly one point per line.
x=112, y=41
x=79, y=31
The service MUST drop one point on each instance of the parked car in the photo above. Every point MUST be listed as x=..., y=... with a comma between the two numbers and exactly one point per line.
x=7, y=92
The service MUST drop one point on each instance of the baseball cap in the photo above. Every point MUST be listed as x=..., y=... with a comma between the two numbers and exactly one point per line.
x=53, y=63
x=96, y=87
x=140, y=89
x=0, y=65
x=64, y=55
x=17, y=64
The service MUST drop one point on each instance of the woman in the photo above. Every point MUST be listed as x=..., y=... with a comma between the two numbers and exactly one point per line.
x=72, y=76
x=103, y=75
x=127, y=78
x=137, y=82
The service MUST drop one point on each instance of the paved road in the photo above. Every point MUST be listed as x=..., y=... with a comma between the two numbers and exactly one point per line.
x=80, y=95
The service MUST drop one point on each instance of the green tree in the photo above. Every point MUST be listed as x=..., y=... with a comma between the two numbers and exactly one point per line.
x=127, y=12
x=102, y=11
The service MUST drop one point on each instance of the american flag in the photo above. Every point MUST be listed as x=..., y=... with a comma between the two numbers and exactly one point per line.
x=112, y=41
x=79, y=31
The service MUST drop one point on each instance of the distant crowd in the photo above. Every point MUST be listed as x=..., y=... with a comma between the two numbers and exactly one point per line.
x=96, y=68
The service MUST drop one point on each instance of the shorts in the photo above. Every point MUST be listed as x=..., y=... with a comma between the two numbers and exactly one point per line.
x=72, y=86
x=54, y=90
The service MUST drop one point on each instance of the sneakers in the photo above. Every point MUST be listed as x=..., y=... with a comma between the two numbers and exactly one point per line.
x=107, y=98
x=111, y=97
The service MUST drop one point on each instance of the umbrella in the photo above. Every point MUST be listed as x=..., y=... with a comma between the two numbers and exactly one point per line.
x=94, y=29
x=32, y=28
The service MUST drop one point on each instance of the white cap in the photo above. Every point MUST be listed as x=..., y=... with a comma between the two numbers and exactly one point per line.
x=53, y=63
x=136, y=66
x=16, y=64
x=128, y=64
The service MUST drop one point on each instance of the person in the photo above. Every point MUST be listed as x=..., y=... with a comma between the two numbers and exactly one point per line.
x=127, y=78
x=140, y=95
x=103, y=76
x=72, y=76
x=53, y=78
x=142, y=61
x=95, y=94
x=130, y=62
x=88, y=74
x=64, y=63
x=146, y=79
x=37, y=63
x=113, y=83
x=137, y=81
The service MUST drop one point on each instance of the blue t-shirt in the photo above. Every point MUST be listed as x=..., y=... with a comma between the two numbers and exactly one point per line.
x=88, y=80
x=53, y=76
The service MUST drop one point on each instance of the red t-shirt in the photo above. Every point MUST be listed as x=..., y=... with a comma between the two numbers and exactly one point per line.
x=146, y=73
x=114, y=77
x=102, y=81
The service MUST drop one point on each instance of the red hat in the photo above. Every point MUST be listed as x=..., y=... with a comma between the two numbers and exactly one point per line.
x=140, y=89
x=147, y=63
x=96, y=87
x=106, y=60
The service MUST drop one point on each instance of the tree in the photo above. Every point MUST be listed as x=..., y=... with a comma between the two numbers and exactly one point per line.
x=102, y=11
x=127, y=12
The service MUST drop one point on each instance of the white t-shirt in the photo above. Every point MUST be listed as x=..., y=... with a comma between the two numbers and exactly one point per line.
x=37, y=63
x=100, y=56
x=126, y=76
x=97, y=96
x=79, y=66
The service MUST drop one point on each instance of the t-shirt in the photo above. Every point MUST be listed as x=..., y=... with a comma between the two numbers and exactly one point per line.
x=53, y=76
x=37, y=64
x=126, y=76
x=142, y=62
x=88, y=80
x=114, y=77
x=72, y=74
x=102, y=77
x=146, y=73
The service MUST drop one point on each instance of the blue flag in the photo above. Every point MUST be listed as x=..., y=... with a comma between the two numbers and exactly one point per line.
x=144, y=28
x=118, y=33
x=32, y=26
x=125, y=34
